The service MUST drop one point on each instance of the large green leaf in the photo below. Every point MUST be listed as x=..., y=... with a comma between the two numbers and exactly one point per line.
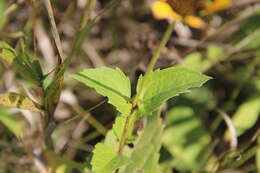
x=10, y=122
x=106, y=160
x=145, y=154
x=162, y=85
x=185, y=138
x=111, y=83
x=19, y=101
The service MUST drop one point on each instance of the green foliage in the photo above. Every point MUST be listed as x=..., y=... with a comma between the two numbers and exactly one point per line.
x=118, y=127
x=19, y=101
x=28, y=67
x=106, y=160
x=251, y=25
x=246, y=115
x=185, y=138
x=162, y=85
x=7, y=53
x=11, y=122
x=197, y=61
x=62, y=164
x=145, y=154
x=214, y=52
x=111, y=83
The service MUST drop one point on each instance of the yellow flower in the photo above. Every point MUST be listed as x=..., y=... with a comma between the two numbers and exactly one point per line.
x=185, y=10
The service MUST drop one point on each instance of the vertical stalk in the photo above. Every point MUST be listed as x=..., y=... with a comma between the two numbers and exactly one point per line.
x=151, y=65
x=54, y=30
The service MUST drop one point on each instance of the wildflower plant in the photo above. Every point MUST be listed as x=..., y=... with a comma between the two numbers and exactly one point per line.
x=141, y=105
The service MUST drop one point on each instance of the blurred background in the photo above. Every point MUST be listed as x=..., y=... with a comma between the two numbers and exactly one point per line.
x=215, y=126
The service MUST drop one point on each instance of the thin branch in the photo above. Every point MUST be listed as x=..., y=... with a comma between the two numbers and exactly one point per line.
x=54, y=30
x=231, y=128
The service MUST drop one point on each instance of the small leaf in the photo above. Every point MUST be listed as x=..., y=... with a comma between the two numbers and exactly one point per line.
x=10, y=122
x=111, y=83
x=7, y=53
x=214, y=52
x=246, y=115
x=162, y=85
x=106, y=160
x=19, y=101
x=27, y=68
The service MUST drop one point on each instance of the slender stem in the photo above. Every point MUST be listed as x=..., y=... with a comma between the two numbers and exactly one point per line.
x=151, y=65
x=154, y=60
x=54, y=30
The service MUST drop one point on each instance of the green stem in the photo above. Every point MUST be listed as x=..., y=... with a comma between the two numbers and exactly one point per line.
x=154, y=60
x=151, y=65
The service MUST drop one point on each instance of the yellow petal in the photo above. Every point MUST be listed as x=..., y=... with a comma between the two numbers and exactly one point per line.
x=162, y=10
x=218, y=5
x=195, y=22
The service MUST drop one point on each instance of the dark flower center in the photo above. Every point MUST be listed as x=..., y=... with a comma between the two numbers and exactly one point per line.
x=186, y=7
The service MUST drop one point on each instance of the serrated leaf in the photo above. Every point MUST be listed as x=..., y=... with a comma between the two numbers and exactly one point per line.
x=10, y=122
x=111, y=83
x=7, y=53
x=162, y=85
x=145, y=155
x=185, y=138
x=246, y=115
x=106, y=160
x=19, y=101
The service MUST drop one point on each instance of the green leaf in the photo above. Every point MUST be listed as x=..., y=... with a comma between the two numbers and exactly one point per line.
x=7, y=53
x=185, y=138
x=111, y=83
x=10, y=122
x=19, y=101
x=145, y=154
x=106, y=160
x=246, y=115
x=214, y=52
x=162, y=85
x=29, y=68
x=195, y=61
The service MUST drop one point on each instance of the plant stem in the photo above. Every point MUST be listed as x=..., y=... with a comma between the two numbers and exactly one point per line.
x=151, y=65
x=54, y=30
x=154, y=60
